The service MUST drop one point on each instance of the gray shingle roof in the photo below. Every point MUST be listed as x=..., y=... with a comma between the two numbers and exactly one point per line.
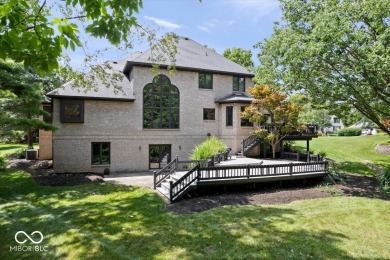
x=190, y=56
x=235, y=97
x=120, y=87
x=193, y=56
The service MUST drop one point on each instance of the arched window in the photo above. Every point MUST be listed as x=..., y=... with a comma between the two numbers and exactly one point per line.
x=161, y=104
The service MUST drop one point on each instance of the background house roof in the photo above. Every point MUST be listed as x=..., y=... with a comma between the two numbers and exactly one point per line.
x=120, y=88
x=191, y=56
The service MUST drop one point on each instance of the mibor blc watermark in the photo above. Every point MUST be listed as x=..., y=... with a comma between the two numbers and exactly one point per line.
x=22, y=237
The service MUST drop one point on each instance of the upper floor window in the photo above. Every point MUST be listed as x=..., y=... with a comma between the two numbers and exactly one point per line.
x=47, y=117
x=72, y=111
x=239, y=84
x=208, y=114
x=205, y=80
x=336, y=120
x=161, y=104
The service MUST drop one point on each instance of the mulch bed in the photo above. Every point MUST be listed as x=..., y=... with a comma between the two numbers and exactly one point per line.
x=353, y=185
x=42, y=173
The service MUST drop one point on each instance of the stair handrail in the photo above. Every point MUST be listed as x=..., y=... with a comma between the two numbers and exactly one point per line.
x=247, y=141
x=160, y=175
x=179, y=186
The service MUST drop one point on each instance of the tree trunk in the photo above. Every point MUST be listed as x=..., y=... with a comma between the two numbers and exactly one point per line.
x=30, y=139
x=273, y=151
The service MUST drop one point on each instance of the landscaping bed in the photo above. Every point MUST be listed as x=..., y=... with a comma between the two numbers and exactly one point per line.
x=353, y=185
x=42, y=173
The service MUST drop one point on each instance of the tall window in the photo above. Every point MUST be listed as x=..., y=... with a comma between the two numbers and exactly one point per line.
x=244, y=121
x=336, y=120
x=100, y=153
x=161, y=104
x=205, y=80
x=229, y=116
x=239, y=84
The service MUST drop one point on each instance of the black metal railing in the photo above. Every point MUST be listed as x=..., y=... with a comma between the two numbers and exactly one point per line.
x=249, y=171
x=179, y=186
x=161, y=175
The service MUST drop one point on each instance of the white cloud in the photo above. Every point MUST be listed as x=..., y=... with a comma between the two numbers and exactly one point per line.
x=258, y=8
x=204, y=28
x=163, y=23
x=231, y=22
x=207, y=26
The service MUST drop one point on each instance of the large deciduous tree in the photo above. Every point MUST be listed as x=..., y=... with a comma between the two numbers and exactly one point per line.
x=276, y=115
x=338, y=51
x=240, y=56
x=35, y=32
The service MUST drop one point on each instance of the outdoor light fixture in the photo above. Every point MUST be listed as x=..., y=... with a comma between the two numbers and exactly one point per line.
x=139, y=148
x=179, y=147
x=208, y=134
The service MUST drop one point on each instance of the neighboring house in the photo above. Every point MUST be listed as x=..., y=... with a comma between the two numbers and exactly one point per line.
x=336, y=125
x=155, y=117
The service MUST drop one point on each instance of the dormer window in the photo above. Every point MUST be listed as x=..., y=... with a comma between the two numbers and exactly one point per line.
x=239, y=84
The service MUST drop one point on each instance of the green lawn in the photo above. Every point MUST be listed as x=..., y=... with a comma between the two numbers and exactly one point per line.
x=105, y=221
x=10, y=148
x=351, y=151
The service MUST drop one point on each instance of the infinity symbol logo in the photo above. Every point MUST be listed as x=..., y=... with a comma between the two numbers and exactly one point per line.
x=32, y=240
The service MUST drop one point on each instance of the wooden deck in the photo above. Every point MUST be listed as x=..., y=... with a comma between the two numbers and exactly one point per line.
x=174, y=183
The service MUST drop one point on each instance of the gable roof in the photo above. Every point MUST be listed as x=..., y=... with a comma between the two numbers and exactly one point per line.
x=191, y=56
x=100, y=90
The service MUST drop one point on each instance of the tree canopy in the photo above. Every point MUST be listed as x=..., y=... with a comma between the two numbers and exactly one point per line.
x=336, y=51
x=240, y=56
x=274, y=113
x=35, y=32
x=21, y=94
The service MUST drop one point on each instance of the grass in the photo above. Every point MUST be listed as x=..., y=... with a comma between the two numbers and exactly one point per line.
x=103, y=221
x=10, y=148
x=351, y=152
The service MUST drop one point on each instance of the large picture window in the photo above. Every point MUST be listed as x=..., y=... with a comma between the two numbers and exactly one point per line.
x=161, y=104
x=205, y=80
x=72, y=111
x=100, y=154
x=239, y=84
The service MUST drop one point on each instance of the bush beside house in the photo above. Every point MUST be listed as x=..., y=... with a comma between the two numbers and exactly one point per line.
x=208, y=148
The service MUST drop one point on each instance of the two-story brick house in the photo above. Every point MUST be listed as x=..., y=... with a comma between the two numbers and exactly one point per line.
x=154, y=117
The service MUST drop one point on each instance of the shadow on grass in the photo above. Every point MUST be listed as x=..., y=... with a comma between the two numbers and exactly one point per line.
x=108, y=221
x=355, y=168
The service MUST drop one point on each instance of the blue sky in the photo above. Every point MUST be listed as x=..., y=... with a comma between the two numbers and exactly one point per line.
x=219, y=24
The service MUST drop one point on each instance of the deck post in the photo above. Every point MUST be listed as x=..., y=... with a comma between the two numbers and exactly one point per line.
x=308, y=150
x=177, y=162
x=170, y=191
x=291, y=168
x=248, y=169
x=154, y=180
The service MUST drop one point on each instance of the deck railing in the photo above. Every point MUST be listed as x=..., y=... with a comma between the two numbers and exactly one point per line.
x=179, y=186
x=250, y=171
x=160, y=175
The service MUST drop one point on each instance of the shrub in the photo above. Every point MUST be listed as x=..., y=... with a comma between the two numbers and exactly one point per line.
x=349, y=132
x=3, y=160
x=208, y=148
x=20, y=153
x=384, y=180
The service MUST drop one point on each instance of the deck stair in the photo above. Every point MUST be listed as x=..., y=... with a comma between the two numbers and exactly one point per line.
x=248, y=144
